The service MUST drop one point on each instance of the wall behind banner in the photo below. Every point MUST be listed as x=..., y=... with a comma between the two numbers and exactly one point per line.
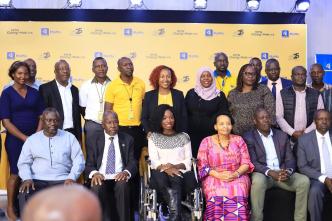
x=183, y=46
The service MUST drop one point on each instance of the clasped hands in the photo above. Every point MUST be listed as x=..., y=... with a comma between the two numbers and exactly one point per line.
x=170, y=169
x=279, y=175
x=226, y=176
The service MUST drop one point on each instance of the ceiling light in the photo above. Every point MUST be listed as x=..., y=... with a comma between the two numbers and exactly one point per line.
x=302, y=5
x=200, y=4
x=253, y=5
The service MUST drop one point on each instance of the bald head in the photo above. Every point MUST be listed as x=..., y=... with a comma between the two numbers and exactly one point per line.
x=63, y=203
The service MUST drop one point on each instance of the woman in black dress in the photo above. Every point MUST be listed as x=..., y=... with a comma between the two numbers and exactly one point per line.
x=204, y=103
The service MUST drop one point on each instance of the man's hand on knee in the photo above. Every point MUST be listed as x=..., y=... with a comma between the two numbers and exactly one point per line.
x=26, y=185
x=97, y=179
x=122, y=176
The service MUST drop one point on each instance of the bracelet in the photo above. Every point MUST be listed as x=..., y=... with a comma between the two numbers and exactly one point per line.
x=238, y=174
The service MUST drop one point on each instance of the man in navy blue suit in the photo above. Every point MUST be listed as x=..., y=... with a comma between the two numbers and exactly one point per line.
x=274, y=82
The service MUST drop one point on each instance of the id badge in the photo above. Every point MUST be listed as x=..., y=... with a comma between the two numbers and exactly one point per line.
x=131, y=115
x=100, y=116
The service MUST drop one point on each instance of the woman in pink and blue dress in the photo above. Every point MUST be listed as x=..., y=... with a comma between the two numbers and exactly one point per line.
x=224, y=164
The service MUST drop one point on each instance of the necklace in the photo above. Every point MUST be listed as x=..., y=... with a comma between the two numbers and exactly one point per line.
x=220, y=144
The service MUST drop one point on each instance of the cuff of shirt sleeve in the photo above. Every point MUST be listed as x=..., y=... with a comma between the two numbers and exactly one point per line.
x=322, y=178
x=92, y=173
x=291, y=131
x=267, y=172
x=289, y=171
x=123, y=171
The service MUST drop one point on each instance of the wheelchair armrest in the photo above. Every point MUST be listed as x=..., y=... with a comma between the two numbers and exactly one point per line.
x=194, y=165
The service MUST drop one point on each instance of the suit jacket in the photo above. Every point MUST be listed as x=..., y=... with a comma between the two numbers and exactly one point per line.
x=150, y=102
x=95, y=151
x=308, y=159
x=257, y=151
x=284, y=82
x=52, y=98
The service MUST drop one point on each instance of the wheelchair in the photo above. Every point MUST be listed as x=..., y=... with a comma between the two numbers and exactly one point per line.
x=150, y=207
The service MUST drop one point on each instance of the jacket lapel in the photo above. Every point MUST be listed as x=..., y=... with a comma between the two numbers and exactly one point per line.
x=260, y=142
x=315, y=148
x=122, y=146
x=100, y=149
x=57, y=97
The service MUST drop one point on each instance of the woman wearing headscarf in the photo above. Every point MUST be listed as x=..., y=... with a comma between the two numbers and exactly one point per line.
x=204, y=102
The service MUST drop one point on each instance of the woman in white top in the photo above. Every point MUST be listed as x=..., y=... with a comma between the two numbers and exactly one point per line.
x=170, y=155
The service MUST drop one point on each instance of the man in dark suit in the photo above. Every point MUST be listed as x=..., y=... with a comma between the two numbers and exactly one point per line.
x=314, y=155
x=110, y=164
x=274, y=162
x=63, y=96
x=274, y=82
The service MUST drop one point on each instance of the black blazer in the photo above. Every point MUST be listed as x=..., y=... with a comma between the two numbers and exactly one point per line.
x=52, y=98
x=95, y=151
x=150, y=102
x=258, y=154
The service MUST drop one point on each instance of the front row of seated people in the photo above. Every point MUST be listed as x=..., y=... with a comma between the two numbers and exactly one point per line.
x=54, y=156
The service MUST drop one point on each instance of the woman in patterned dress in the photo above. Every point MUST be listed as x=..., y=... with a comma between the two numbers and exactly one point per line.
x=170, y=155
x=224, y=164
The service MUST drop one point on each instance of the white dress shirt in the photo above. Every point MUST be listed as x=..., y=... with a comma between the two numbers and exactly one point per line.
x=90, y=94
x=278, y=85
x=118, y=159
x=270, y=150
x=67, y=105
x=322, y=163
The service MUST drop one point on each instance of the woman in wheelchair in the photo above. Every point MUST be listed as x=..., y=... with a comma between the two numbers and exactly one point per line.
x=223, y=165
x=170, y=155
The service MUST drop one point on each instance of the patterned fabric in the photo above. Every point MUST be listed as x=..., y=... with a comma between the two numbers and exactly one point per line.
x=110, y=163
x=227, y=208
x=170, y=142
x=211, y=156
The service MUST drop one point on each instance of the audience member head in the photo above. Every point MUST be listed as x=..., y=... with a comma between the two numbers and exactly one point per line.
x=99, y=67
x=272, y=69
x=33, y=67
x=110, y=123
x=247, y=77
x=322, y=120
x=257, y=63
x=163, y=119
x=262, y=120
x=62, y=72
x=50, y=119
x=162, y=77
x=223, y=124
x=63, y=203
x=317, y=73
x=299, y=76
x=221, y=62
x=204, y=78
x=125, y=67
x=19, y=72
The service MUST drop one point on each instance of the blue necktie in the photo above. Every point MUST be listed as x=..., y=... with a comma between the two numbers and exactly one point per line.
x=274, y=90
x=110, y=163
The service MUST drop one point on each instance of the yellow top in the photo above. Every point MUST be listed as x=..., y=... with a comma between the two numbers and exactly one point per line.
x=226, y=84
x=127, y=100
x=165, y=99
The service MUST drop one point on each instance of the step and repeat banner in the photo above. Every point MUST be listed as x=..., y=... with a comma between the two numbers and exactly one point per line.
x=183, y=46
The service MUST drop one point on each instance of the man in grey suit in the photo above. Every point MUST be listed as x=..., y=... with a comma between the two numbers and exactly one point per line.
x=314, y=155
x=274, y=162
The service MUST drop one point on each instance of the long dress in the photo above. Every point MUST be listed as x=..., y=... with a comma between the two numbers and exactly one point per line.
x=201, y=116
x=24, y=114
x=224, y=200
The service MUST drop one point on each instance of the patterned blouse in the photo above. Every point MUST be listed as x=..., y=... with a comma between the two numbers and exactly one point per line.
x=174, y=149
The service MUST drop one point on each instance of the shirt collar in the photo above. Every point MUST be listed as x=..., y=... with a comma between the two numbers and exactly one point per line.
x=270, y=134
x=94, y=80
x=107, y=136
x=319, y=135
x=59, y=85
x=215, y=73
x=269, y=82
x=304, y=91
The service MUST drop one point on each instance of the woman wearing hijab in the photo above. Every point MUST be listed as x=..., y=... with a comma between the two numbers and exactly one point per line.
x=204, y=103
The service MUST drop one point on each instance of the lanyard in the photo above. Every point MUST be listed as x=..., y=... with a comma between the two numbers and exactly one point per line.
x=130, y=96
x=101, y=94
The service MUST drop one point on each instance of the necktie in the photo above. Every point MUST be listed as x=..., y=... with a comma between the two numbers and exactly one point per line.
x=110, y=163
x=327, y=158
x=274, y=90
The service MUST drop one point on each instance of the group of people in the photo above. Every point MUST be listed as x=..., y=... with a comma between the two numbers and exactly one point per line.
x=249, y=133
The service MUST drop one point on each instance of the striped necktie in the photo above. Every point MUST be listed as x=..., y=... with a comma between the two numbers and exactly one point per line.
x=110, y=163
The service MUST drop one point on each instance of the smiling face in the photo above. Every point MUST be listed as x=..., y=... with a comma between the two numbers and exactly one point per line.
x=165, y=79
x=206, y=79
x=21, y=75
x=50, y=123
x=223, y=125
x=62, y=72
x=168, y=121
x=100, y=68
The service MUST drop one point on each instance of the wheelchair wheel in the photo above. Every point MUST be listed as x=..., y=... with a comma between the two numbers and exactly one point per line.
x=197, y=211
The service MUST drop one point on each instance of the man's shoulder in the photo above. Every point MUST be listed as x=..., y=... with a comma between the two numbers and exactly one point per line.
x=280, y=134
x=47, y=84
x=124, y=136
x=35, y=136
x=307, y=137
